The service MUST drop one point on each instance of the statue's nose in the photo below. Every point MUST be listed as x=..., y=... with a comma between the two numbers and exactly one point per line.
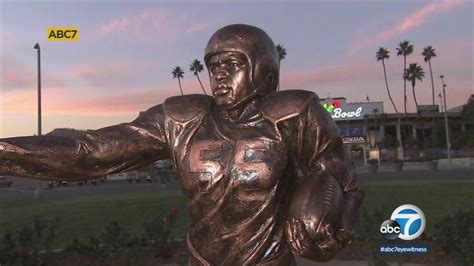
x=221, y=75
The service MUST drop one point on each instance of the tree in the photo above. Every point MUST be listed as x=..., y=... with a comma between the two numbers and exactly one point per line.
x=196, y=67
x=413, y=73
x=281, y=55
x=381, y=55
x=428, y=53
x=404, y=48
x=281, y=52
x=178, y=73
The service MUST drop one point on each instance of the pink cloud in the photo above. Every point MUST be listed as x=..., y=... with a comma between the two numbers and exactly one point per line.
x=312, y=78
x=119, y=24
x=414, y=20
x=197, y=27
x=59, y=101
x=169, y=25
x=16, y=78
x=110, y=73
x=20, y=77
x=145, y=24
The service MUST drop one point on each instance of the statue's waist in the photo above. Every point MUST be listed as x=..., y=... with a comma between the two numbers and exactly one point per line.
x=240, y=254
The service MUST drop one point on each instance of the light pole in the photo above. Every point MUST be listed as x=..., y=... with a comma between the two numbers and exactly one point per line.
x=37, y=47
x=448, y=143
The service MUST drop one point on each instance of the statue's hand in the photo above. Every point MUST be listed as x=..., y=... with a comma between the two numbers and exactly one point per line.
x=302, y=245
x=8, y=148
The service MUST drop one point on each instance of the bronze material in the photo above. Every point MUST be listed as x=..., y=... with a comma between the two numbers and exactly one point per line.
x=263, y=172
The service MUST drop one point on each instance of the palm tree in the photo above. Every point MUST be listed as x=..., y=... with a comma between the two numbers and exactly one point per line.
x=197, y=67
x=178, y=73
x=381, y=55
x=413, y=73
x=428, y=53
x=404, y=48
x=281, y=55
x=281, y=51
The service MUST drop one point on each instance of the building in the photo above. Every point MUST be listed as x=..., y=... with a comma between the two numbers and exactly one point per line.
x=364, y=125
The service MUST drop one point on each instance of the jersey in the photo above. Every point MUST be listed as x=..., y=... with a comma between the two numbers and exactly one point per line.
x=237, y=177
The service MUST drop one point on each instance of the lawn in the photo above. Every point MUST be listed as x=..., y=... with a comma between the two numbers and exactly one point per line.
x=88, y=216
x=435, y=199
x=83, y=217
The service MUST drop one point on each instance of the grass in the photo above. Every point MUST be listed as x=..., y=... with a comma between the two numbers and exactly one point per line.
x=436, y=200
x=86, y=216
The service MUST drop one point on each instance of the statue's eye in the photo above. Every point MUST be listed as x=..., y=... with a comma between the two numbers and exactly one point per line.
x=213, y=69
x=235, y=64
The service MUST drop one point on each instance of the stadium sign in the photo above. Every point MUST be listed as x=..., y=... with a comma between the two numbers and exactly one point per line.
x=340, y=110
x=354, y=139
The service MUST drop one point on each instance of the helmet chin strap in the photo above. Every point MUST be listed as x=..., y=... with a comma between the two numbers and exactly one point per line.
x=244, y=101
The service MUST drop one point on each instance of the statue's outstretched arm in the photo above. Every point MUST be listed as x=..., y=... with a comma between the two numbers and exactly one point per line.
x=326, y=194
x=100, y=152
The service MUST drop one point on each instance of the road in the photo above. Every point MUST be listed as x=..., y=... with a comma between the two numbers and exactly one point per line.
x=23, y=189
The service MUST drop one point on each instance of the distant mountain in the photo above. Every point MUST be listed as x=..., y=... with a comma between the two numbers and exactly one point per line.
x=67, y=132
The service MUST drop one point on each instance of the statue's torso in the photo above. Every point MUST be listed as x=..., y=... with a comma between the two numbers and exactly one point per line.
x=236, y=180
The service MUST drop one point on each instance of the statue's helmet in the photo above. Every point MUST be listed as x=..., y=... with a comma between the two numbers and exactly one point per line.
x=257, y=47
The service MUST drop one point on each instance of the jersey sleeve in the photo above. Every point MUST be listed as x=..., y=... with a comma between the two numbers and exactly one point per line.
x=97, y=153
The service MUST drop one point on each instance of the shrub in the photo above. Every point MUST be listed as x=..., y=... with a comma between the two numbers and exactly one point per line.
x=114, y=237
x=455, y=233
x=157, y=233
x=23, y=246
x=367, y=229
x=373, y=161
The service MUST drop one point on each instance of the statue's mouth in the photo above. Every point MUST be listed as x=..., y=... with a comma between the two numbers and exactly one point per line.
x=222, y=89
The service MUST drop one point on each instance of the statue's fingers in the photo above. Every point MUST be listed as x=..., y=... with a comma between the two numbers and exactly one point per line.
x=296, y=228
x=304, y=245
x=301, y=231
x=289, y=231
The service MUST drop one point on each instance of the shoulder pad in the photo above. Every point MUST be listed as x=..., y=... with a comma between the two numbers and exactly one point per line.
x=285, y=104
x=184, y=108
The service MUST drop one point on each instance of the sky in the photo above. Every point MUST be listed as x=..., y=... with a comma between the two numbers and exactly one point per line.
x=123, y=59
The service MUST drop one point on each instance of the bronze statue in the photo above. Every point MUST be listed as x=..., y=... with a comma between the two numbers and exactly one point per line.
x=263, y=172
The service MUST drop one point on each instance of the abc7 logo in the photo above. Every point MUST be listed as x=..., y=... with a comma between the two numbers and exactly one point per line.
x=407, y=222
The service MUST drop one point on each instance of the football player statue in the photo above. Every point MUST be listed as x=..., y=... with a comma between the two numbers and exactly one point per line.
x=263, y=172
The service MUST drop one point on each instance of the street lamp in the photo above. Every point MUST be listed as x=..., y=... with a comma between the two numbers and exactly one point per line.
x=448, y=143
x=37, y=47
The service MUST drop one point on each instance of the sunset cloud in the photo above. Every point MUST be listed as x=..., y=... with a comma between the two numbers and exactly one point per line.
x=16, y=78
x=312, y=78
x=118, y=24
x=104, y=74
x=59, y=101
x=413, y=20
x=21, y=77
x=197, y=27
x=147, y=24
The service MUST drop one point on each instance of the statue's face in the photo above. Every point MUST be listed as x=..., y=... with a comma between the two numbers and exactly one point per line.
x=230, y=79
